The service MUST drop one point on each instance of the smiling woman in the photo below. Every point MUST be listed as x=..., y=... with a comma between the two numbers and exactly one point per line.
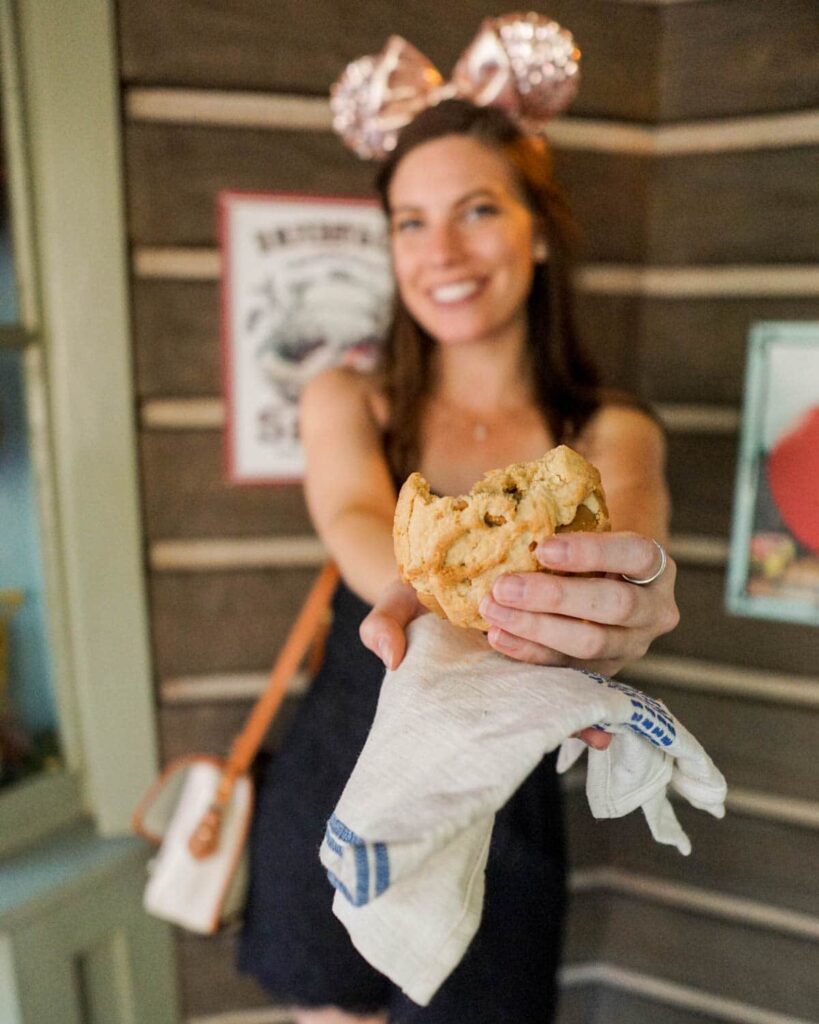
x=482, y=337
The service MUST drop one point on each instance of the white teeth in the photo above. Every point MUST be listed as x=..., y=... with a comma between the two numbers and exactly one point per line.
x=454, y=292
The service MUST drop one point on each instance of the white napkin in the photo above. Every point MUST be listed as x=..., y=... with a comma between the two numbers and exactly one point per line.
x=457, y=729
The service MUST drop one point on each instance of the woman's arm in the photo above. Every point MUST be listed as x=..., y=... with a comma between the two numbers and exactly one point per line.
x=350, y=494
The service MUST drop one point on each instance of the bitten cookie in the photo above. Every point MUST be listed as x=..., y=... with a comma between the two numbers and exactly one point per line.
x=453, y=549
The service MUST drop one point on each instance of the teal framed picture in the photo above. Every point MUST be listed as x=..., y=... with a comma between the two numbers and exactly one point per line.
x=773, y=568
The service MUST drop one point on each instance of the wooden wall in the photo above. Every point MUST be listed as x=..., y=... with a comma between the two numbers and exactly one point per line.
x=691, y=159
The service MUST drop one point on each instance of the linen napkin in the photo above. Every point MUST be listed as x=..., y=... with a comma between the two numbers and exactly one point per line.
x=457, y=729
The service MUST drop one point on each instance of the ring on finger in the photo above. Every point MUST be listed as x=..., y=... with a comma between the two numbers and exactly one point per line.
x=655, y=576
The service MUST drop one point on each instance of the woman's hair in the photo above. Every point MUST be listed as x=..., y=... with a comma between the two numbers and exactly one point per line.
x=566, y=382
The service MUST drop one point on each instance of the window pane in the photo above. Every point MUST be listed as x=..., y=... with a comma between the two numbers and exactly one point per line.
x=28, y=719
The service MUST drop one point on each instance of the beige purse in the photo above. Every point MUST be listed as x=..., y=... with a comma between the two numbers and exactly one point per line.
x=198, y=812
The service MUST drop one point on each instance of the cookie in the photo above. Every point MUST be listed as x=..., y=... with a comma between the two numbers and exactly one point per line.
x=453, y=549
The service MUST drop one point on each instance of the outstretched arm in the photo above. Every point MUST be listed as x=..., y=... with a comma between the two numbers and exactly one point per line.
x=350, y=494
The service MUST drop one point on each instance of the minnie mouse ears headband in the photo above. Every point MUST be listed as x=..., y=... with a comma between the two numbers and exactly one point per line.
x=525, y=64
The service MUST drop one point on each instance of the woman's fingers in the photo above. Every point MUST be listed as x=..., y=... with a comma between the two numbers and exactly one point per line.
x=601, y=619
x=617, y=553
x=609, y=601
x=383, y=630
x=594, y=738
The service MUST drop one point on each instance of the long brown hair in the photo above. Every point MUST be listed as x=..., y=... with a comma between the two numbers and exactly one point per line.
x=566, y=382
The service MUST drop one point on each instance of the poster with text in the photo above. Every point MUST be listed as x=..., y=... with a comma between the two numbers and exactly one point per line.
x=306, y=285
x=774, y=560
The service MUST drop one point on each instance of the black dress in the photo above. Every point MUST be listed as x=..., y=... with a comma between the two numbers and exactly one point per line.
x=291, y=940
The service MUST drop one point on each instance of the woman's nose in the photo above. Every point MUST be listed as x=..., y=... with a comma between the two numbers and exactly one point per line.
x=444, y=244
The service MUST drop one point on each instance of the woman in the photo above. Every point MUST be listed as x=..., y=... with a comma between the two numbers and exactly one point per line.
x=481, y=369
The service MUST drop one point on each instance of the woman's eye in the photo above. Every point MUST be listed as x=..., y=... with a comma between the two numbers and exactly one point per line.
x=406, y=224
x=480, y=210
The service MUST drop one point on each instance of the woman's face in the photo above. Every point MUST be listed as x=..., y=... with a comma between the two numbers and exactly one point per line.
x=462, y=238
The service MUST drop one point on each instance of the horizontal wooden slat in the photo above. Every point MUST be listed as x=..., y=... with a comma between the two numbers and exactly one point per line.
x=236, y=553
x=223, y=687
x=727, y=680
x=302, y=50
x=184, y=413
x=219, y=622
x=634, y=997
x=706, y=631
x=274, y=110
x=744, y=856
x=687, y=282
x=730, y=961
x=704, y=901
x=186, y=492
x=264, y=1015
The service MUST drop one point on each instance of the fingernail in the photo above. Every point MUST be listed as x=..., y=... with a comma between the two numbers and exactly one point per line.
x=508, y=588
x=385, y=651
x=493, y=611
x=553, y=552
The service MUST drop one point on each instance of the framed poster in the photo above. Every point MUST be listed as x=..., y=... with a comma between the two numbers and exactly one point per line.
x=306, y=284
x=773, y=567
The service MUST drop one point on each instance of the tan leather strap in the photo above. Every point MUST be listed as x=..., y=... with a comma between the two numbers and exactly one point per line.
x=308, y=625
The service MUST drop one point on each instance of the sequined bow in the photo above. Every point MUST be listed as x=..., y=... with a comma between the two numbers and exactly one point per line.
x=524, y=63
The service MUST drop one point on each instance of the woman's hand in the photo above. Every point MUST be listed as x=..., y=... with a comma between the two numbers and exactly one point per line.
x=599, y=623
x=383, y=632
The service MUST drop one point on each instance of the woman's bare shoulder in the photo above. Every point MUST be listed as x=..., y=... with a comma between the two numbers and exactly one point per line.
x=342, y=392
x=617, y=426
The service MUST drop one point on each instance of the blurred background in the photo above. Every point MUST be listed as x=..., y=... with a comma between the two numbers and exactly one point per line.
x=144, y=597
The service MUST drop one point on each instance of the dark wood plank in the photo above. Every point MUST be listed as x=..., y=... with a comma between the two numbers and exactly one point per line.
x=222, y=622
x=731, y=730
x=739, y=57
x=752, y=858
x=612, y=1004
x=587, y=839
x=175, y=172
x=701, y=470
x=185, y=492
x=303, y=48
x=693, y=349
x=609, y=195
x=211, y=727
x=209, y=981
x=758, y=206
x=176, y=338
x=577, y=1004
x=751, y=964
x=707, y=631
x=610, y=328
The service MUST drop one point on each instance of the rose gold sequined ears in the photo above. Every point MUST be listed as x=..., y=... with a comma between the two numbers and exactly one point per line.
x=525, y=64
